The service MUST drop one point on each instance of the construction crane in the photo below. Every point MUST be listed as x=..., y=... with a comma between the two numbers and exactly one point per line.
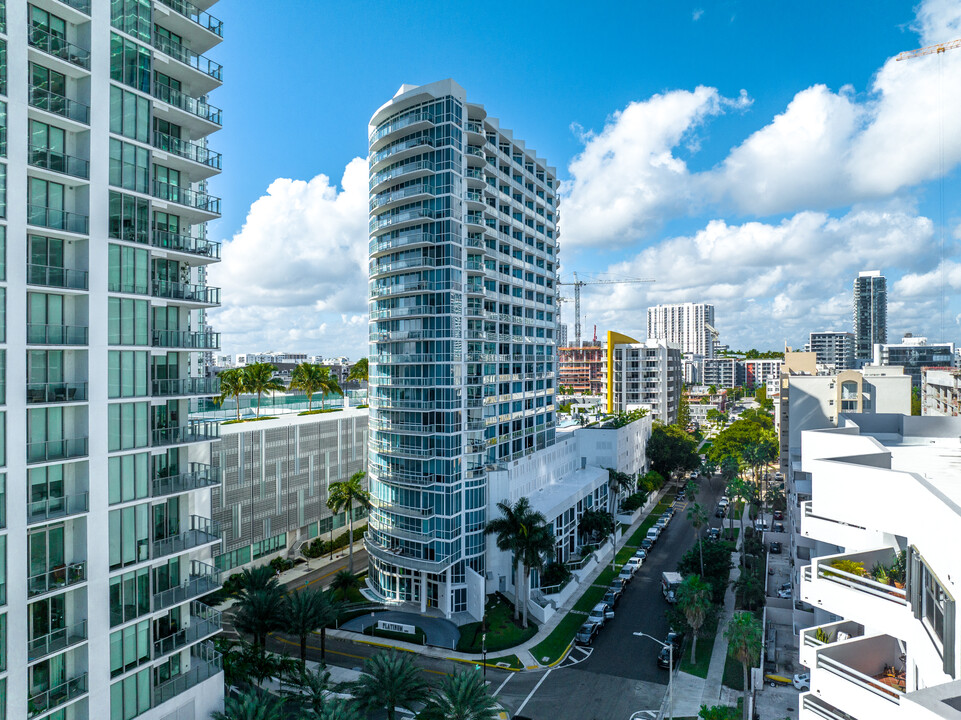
x=938, y=50
x=578, y=284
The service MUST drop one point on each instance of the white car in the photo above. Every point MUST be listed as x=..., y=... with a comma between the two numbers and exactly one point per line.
x=784, y=594
x=634, y=562
x=802, y=682
x=627, y=573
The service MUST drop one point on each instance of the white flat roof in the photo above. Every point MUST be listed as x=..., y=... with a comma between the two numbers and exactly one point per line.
x=558, y=496
x=288, y=419
x=936, y=459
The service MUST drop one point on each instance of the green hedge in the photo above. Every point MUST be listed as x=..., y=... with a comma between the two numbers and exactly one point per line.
x=319, y=547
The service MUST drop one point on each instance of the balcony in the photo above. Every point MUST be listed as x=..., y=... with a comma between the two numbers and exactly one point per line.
x=202, y=531
x=57, y=696
x=78, y=5
x=198, y=62
x=58, y=47
x=833, y=531
x=57, y=277
x=56, y=641
x=54, y=508
x=193, y=431
x=195, y=152
x=185, y=386
x=185, y=339
x=58, y=162
x=418, y=166
x=57, y=579
x=193, y=106
x=413, y=215
x=56, y=392
x=194, y=14
x=397, y=557
x=383, y=244
x=198, y=477
x=48, y=101
x=422, y=143
x=50, y=450
x=202, y=580
x=845, y=592
x=186, y=197
x=185, y=244
x=56, y=334
x=823, y=635
x=57, y=219
x=205, y=663
x=204, y=621
x=412, y=118
x=864, y=677
x=815, y=706
x=200, y=294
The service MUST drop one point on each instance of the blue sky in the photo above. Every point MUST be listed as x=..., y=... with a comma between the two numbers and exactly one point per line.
x=741, y=145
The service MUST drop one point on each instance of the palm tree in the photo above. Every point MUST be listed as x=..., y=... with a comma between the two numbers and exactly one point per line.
x=307, y=377
x=616, y=483
x=508, y=530
x=390, y=680
x=302, y=617
x=260, y=612
x=259, y=378
x=698, y=518
x=252, y=705
x=462, y=696
x=744, y=641
x=329, y=383
x=342, y=709
x=341, y=497
x=312, y=689
x=328, y=613
x=694, y=600
x=260, y=577
x=358, y=371
x=231, y=385
x=344, y=581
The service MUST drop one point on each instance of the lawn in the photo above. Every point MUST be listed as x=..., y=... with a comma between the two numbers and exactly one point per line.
x=732, y=536
x=502, y=631
x=705, y=447
x=590, y=598
x=557, y=642
x=705, y=646
x=733, y=674
x=511, y=660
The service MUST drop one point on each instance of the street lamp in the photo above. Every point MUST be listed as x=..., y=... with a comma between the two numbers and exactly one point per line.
x=670, y=669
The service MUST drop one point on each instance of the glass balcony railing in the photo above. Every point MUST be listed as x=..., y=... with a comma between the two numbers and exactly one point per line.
x=58, y=162
x=57, y=578
x=197, y=477
x=200, y=532
x=203, y=579
x=186, y=292
x=185, y=196
x=186, y=339
x=57, y=696
x=56, y=450
x=399, y=123
x=56, y=334
x=205, y=663
x=56, y=392
x=399, y=170
x=181, y=100
x=56, y=277
x=418, y=142
x=185, y=386
x=57, y=219
x=194, y=152
x=193, y=431
x=81, y=5
x=188, y=57
x=192, y=12
x=58, y=47
x=204, y=621
x=56, y=641
x=185, y=243
x=52, y=508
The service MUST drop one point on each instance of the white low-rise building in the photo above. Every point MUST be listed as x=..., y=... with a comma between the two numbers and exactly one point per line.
x=940, y=391
x=882, y=485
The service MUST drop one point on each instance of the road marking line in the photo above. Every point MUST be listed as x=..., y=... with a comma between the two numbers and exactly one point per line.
x=501, y=686
x=527, y=699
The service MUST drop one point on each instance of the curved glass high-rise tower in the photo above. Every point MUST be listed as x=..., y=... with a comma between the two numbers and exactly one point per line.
x=463, y=326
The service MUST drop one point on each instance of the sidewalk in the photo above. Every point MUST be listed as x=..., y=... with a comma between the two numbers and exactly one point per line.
x=522, y=651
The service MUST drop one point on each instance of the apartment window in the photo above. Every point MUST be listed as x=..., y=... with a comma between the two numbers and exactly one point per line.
x=131, y=17
x=129, y=596
x=3, y=67
x=232, y=559
x=131, y=696
x=129, y=535
x=166, y=177
x=45, y=202
x=270, y=545
x=127, y=373
x=127, y=321
x=129, y=63
x=129, y=218
x=128, y=426
x=129, y=166
x=129, y=114
x=46, y=551
x=3, y=569
x=129, y=648
x=3, y=642
x=3, y=129
x=128, y=478
x=128, y=270
x=45, y=486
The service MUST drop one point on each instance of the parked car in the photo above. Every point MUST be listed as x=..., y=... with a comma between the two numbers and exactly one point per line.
x=785, y=594
x=777, y=527
x=598, y=614
x=608, y=612
x=778, y=515
x=627, y=573
x=776, y=548
x=616, y=587
x=693, y=475
x=661, y=524
x=612, y=598
x=681, y=494
x=641, y=554
x=664, y=658
x=676, y=639
x=635, y=563
x=802, y=682
x=785, y=586
x=760, y=525
x=647, y=544
x=714, y=533
x=586, y=634
x=721, y=512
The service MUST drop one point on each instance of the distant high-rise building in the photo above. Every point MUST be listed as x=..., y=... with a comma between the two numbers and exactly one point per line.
x=833, y=348
x=914, y=353
x=689, y=326
x=643, y=375
x=583, y=369
x=870, y=313
x=463, y=273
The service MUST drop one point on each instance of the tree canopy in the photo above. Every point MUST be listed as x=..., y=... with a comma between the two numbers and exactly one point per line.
x=672, y=449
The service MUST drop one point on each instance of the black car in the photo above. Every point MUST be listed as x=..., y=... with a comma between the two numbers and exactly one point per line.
x=776, y=548
x=586, y=634
x=612, y=598
x=713, y=533
x=720, y=513
x=676, y=639
x=777, y=527
x=664, y=658
x=616, y=587
x=646, y=544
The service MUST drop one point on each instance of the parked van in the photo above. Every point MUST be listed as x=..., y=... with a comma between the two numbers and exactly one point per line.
x=598, y=615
